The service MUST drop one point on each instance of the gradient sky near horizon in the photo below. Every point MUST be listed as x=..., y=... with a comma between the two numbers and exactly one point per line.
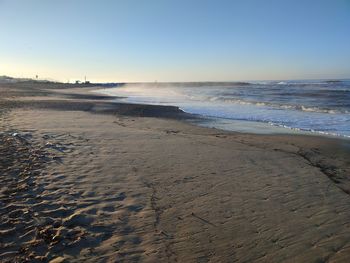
x=182, y=40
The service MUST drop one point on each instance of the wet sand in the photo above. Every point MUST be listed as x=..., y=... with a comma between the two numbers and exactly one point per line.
x=85, y=179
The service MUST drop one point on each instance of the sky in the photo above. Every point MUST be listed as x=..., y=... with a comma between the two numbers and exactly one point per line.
x=178, y=40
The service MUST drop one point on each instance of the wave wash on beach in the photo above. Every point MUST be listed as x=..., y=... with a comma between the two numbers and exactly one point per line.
x=317, y=106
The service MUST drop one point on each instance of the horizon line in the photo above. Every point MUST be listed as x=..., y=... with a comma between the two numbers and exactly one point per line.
x=152, y=82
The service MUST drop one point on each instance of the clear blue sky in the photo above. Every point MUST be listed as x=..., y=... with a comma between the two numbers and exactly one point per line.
x=178, y=40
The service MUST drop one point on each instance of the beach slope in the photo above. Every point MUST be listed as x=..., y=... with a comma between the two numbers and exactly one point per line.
x=87, y=179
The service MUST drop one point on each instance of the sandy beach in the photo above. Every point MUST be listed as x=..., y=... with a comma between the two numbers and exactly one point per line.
x=85, y=179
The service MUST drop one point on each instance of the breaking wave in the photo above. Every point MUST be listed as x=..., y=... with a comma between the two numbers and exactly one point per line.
x=316, y=106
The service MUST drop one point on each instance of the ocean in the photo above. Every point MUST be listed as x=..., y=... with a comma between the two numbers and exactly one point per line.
x=320, y=106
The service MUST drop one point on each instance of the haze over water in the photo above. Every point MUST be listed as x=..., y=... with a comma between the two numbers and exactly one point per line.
x=316, y=106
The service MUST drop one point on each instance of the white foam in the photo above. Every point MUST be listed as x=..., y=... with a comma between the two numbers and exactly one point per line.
x=212, y=101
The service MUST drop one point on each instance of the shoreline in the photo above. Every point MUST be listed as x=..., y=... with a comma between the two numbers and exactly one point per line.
x=137, y=183
x=227, y=124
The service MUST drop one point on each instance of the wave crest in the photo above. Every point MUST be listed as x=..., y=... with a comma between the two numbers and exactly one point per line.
x=281, y=106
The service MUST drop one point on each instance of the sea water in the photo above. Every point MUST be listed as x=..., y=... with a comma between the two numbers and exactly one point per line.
x=315, y=106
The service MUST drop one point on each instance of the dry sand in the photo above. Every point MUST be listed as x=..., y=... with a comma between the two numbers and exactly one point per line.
x=86, y=180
